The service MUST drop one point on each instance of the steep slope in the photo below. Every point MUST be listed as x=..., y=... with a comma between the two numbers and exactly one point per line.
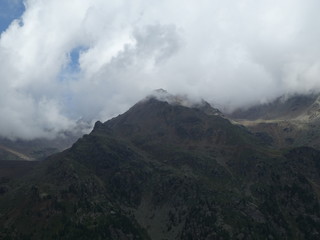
x=166, y=171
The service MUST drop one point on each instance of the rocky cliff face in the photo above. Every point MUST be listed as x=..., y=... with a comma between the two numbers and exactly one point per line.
x=167, y=171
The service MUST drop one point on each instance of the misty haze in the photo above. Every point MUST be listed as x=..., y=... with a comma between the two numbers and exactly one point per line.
x=159, y=119
x=70, y=61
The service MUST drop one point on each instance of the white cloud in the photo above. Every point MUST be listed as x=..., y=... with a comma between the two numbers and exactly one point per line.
x=232, y=53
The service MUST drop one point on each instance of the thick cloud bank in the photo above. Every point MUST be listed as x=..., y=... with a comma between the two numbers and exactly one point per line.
x=65, y=62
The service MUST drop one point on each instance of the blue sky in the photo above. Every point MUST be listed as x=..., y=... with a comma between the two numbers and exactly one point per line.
x=9, y=10
x=13, y=9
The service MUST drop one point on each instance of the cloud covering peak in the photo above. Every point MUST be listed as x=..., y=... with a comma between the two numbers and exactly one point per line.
x=68, y=61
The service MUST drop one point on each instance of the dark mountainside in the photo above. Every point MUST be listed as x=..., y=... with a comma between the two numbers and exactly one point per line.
x=166, y=171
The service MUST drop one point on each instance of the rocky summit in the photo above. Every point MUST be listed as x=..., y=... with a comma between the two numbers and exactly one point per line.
x=166, y=170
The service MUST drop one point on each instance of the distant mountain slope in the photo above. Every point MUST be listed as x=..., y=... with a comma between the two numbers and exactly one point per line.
x=37, y=149
x=167, y=171
x=290, y=122
x=12, y=153
x=283, y=108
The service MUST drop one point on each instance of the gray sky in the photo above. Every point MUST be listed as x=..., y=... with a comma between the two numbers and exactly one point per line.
x=66, y=61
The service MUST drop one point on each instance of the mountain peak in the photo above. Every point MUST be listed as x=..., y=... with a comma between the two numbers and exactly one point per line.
x=182, y=100
x=163, y=170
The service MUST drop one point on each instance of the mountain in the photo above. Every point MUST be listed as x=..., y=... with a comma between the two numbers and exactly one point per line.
x=37, y=149
x=167, y=170
x=287, y=122
x=283, y=108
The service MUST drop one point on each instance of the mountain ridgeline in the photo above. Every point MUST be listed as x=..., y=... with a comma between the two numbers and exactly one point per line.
x=167, y=171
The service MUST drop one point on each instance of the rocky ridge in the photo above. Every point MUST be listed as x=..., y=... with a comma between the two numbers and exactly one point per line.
x=167, y=171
